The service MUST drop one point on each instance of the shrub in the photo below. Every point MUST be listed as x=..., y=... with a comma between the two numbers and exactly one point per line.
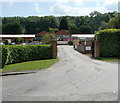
x=21, y=53
x=48, y=38
x=4, y=55
x=109, y=42
x=70, y=42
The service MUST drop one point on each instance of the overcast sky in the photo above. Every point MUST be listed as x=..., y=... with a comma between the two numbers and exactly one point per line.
x=57, y=8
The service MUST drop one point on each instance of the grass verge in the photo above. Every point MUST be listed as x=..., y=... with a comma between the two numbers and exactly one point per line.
x=30, y=65
x=109, y=59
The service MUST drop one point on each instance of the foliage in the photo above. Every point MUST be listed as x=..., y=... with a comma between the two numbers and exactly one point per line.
x=12, y=28
x=115, y=22
x=109, y=42
x=85, y=29
x=19, y=40
x=73, y=28
x=6, y=42
x=48, y=38
x=4, y=55
x=21, y=53
x=63, y=24
x=104, y=25
x=70, y=42
x=52, y=30
x=35, y=24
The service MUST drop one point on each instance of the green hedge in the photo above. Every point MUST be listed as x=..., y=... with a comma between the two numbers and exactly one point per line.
x=70, y=42
x=109, y=42
x=21, y=53
x=4, y=55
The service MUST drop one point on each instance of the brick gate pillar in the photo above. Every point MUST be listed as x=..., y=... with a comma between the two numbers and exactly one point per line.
x=54, y=49
x=96, y=49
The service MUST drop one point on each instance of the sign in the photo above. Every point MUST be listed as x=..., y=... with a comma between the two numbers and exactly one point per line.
x=88, y=47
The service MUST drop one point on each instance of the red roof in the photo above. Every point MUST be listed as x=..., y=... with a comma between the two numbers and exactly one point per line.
x=42, y=33
x=63, y=32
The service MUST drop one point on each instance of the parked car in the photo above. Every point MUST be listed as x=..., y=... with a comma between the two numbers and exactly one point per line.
x=2, y=44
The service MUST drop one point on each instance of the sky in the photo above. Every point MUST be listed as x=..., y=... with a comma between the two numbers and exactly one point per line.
x=56, y=7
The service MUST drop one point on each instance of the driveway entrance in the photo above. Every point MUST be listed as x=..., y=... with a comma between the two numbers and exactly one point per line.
x=75, y=77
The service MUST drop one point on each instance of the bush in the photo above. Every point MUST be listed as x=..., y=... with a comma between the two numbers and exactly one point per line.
x=21, y=53
x=109, y=42
x=4, y=55
x=70, y=42
x=48, y=38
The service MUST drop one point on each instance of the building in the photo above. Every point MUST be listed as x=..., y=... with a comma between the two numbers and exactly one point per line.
x=83, y=42
x=63, y=35
x=83, y=36
x=38, y=36
x=13, y=37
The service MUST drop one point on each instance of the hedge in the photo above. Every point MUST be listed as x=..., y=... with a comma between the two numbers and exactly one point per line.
x=21, y=53
x=70, y=42
x=109, y=40
x=4, y=55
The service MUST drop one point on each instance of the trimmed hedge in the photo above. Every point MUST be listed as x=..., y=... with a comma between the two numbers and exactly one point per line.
x=21, y=53
x=109, y=42
x=4, y=55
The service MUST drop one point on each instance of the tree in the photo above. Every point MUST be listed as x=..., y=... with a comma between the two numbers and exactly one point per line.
x=104, y=25
x=19, y=40
x=115, y=22
x=63, y=24
x=94, y=14
x=53, y=22
x=85, y=29
x=52, y=30
x=36, y=24
x=73, y=28
x=48, y=38
x=12, y=28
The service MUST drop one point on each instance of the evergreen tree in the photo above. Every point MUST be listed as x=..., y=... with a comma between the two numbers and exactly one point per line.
x=63, y=24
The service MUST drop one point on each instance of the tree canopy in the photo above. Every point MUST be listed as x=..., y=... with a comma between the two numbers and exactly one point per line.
x=63, y=24
x=74, y=24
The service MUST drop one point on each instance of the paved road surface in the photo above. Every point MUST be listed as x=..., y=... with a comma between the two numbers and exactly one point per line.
x=74, y=77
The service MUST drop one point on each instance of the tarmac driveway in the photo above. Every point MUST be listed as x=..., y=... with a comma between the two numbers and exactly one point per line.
x=75, y=77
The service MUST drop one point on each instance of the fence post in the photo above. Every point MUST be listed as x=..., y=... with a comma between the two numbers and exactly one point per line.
x=54, y=49
x=96, y=49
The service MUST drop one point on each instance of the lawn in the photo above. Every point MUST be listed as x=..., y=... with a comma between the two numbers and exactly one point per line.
x=109, y=59
x=29, y=65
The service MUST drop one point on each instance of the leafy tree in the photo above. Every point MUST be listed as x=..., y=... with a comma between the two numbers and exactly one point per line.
x=53, y=22
x=73, y=28
x=79, y=21
x=115, y=22
x=19, y=40
x=12, y=28
x=30, y=27
x=48, y=38
x=52, y=30
x=35, y=24
x=63, y=24
x=85, y=29
x=95, y=14
x=104, y=25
